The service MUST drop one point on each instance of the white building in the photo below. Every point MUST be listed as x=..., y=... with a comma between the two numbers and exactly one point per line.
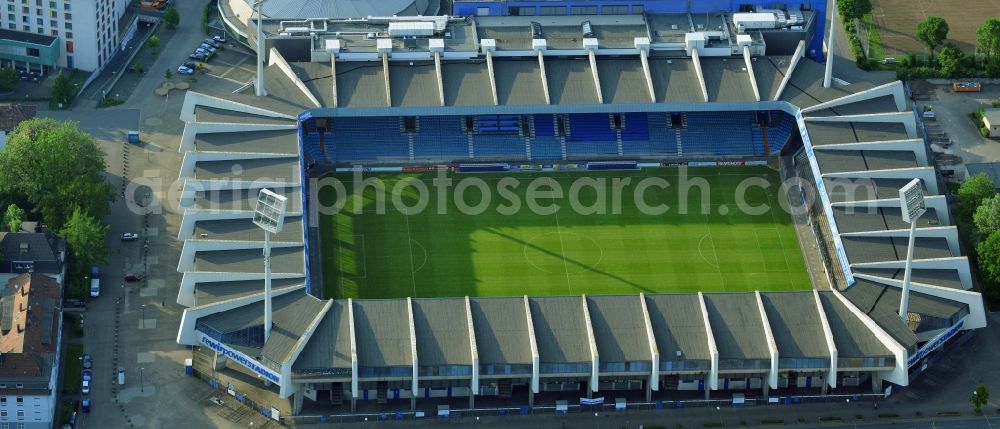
x=87, y=32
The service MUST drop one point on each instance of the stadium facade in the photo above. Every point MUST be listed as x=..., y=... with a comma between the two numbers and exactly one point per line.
x=635, y=88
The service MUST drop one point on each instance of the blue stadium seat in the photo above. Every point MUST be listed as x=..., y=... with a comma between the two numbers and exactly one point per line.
x=369, y=139
x=591, y=134
x=440, y=138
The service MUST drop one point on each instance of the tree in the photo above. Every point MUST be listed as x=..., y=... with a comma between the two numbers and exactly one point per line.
x=988, y=39
x=972, y=192
x=85, y=236
x=988, y=251
x=14, y=217
x=987, y=216
x=56, y=168
x=153, y=41
x=854, y=9
x=137, y=66
x=167, y=74
x=954, y=62
x=62, y=89
x=8, y=79
x=980, y=397
x=932, y=31
x=171, y=17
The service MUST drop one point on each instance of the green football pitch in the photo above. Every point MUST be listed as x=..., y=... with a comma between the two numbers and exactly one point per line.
x=497, y=248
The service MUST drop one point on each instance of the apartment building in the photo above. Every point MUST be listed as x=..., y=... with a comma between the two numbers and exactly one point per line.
x=43, y=34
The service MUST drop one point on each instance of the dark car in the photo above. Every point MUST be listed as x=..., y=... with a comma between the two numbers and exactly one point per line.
x=88, y=362
x=211, y=42
x=197, y=57
x=75, y=303
x=190, y=64
x=132, y=277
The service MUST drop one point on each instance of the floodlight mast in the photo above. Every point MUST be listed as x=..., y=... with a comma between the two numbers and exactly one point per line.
x=269, y=215
x=911, y=199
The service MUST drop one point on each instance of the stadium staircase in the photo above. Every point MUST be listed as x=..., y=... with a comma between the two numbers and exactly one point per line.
x=546, y=145
x=505, y=388
x=671, y=382
x=336, y=393
x=383, y=392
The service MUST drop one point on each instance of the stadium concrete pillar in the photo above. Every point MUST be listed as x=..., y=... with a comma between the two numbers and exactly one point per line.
x=653, y=383
x=297, y=400
x=535, y=361
x=474, y=353
x=439, y=76
x=333, y=80
x=696, y=60
x=354, y=355
x=764, y=388
x=828, y=73
x=388, y=86
x=876, y=382
x=749, y=65
x=592, y=57
x=649, y=391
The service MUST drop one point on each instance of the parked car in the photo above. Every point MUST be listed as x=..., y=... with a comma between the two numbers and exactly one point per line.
x=130, y=236
x=75, y=303
x=198, y=57
x=211, y=42
x=185, y=70
x=132, y=277
x=87, y=375
x=220, y=39
x=202, y=51
x=85, y=405
x=85, y=389
x=190, y=64
x=207, y=47
x=121, y=376
x=88, y=362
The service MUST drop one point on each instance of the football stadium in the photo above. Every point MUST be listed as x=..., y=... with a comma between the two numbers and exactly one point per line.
x=518, y=210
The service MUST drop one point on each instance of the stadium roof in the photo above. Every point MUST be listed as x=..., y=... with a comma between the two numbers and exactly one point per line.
x=212, y=292
x=852, y=338
x=442, y=327
x=501, y=327
x=382, y=329
x=330, y=346
x=292, y=314
x=619, y=328
x=737, y=326
x=679, y=327
x=245, y=230
x=283, y=260
x=796, y=324
x=281, y=141
x=560, y=329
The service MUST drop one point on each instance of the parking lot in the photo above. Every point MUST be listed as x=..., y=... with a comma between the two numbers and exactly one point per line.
x=954, y=139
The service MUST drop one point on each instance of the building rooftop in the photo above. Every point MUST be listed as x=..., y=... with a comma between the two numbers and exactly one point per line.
x=878, y=249
x=29, y=327
x=283, y=260
x=852, y=338
x=212, y=292
x=21, y=252
x=246, y=230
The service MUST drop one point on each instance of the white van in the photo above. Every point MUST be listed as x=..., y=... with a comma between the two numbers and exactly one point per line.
x=95, y=288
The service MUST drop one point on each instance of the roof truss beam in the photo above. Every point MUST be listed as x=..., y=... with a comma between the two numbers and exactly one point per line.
x=772, y=346
x=534, y=346
x=493, y=77
x=333, y=80
x=925, y=173
x=545, y=81
x=654, y=352
x=696, y=58
x=354, y=351
x=597, y=79
x=753, y=78
x=713, y=350
x=414, y=380
x=644, y=57
x=937, y=202
x=914, y=145
x=595, y=359
x=439, y=76
x=800, y=51
x=474, y=349
x=388, y=85
x=831, y=377
x=960, y=263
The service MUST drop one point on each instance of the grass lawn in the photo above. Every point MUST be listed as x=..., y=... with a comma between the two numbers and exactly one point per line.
x=73, y=369
x=523, y=251
x=876, y=51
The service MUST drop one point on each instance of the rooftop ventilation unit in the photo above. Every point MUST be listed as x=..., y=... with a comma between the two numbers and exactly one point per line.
x=413, y=28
